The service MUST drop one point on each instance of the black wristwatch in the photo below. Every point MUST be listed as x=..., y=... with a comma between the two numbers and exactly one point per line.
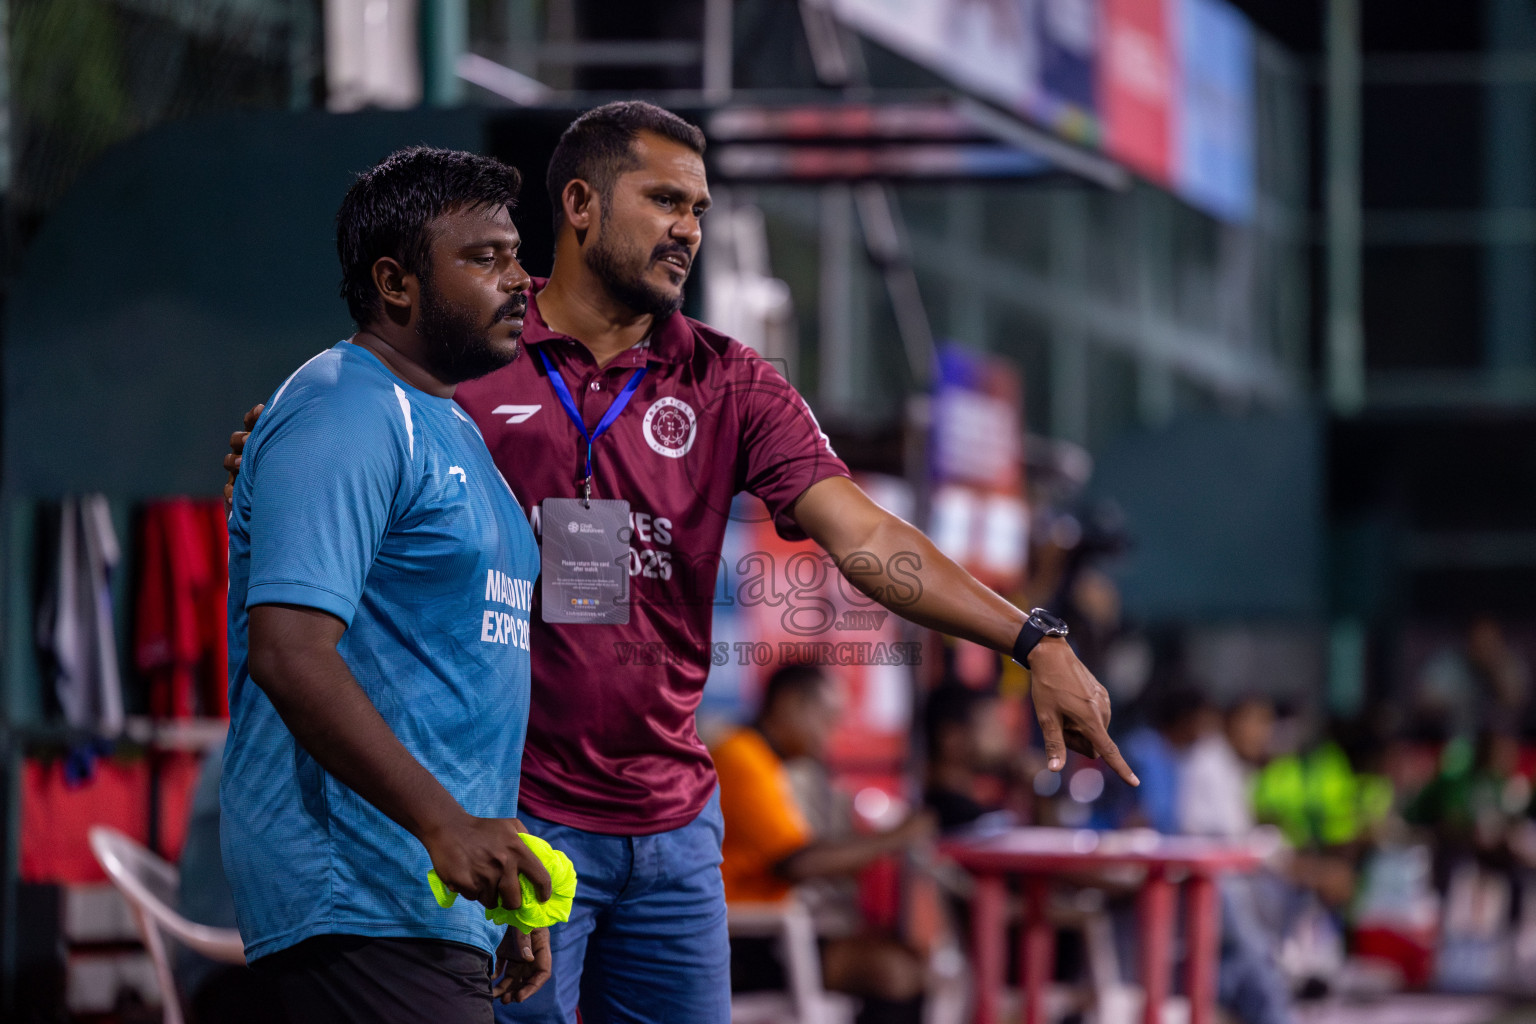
x=1037, y=627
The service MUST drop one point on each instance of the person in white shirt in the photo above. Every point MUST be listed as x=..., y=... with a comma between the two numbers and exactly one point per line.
x=1217, y=796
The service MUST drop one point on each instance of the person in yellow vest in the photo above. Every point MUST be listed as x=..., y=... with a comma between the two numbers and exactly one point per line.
x=768, y=847
x=1319, y=800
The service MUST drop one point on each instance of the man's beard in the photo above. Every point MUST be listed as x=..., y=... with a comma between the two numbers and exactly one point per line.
x=623, y=276
x=458, y=348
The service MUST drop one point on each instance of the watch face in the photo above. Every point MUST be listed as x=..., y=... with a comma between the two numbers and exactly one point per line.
x=1047, y=623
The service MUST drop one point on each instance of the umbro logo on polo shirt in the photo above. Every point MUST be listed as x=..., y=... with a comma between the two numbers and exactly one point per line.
x=516, y=413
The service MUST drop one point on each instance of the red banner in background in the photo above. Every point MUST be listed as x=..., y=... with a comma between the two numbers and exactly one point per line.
x=1138, y=83
x=790, y=605
x=781, y=603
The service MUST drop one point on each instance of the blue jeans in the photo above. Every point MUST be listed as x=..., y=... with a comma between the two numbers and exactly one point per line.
x=1249, y=982
x=646, y=942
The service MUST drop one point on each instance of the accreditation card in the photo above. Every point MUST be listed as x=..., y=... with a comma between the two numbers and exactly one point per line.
x=585, y=574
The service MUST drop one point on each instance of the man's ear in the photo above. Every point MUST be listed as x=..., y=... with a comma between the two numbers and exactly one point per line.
x=582, y=206
x=397, y=287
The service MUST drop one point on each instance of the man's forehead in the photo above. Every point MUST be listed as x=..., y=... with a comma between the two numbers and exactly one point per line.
x=661, y=157
x=480, y=213
x=493, y=219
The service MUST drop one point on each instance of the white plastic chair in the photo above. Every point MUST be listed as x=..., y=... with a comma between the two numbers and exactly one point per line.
x=149, y=883
x=804, y=1001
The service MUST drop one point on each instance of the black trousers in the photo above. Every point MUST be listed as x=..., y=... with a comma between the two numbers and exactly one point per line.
x=353, y=979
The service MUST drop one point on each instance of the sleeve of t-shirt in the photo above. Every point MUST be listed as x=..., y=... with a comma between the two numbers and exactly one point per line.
x=323, y=489
x=757, y=807
x=784, y=449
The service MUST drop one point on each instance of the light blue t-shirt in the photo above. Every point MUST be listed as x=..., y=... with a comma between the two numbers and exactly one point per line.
x=1160, y=767
x=366, y=498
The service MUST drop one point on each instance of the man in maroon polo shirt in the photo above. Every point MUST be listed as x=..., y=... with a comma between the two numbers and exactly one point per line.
x=627, y=422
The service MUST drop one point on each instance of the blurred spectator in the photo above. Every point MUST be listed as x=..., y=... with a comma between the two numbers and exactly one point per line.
x=1183, y=735
x=1482, y=682
x=1477, y=804
x=1066, y=551
x=1217, y=797
x=768, y=847
x=1319, y=799
x=1180, y=716
x=1218, y=800
x=1294, y=901
x=969, y=752
x=966, y=740
x=1476, y=808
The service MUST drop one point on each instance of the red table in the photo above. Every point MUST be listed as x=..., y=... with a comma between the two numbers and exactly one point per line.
x=1039, y=855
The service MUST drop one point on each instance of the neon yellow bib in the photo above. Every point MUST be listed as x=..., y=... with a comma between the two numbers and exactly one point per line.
x=532, y=914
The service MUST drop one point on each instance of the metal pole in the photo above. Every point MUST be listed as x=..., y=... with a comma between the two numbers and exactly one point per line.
x=1346, y=334
x=1069, y=230
x=301, y=55
x=444, y=38
x=718, y=55
x=5, y=117
x=1509, y=329
x=835, y=384
x=885, y=244
x=828, y=54
x=522, y=36
x=1151, y=226
x=964, y=223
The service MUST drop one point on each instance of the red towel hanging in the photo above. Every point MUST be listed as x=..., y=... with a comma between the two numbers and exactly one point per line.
x=180, y=642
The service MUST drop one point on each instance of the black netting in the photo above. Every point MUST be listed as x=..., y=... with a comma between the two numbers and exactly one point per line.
x=90, y=73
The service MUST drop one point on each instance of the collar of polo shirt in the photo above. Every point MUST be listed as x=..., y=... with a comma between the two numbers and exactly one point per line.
x=670, y=341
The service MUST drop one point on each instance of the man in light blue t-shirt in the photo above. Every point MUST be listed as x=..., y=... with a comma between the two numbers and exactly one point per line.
x=381, y=574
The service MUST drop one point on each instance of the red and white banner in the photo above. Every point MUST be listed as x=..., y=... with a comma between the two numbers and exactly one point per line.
x=1139, y=76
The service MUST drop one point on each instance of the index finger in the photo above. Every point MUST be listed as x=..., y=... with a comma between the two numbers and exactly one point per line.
x=1110, y=754
x=252, y=414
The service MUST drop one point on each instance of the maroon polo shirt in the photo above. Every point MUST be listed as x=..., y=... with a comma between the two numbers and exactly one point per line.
x=611, y=741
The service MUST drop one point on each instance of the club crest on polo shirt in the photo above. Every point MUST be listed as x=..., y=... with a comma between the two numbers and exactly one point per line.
x=670, y=427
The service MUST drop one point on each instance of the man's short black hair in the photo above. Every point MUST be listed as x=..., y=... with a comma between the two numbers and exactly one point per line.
x=599, y=146
x=798, y=680
x=390, y=207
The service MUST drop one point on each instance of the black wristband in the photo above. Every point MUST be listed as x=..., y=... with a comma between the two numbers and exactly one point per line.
x=1029, y=638
x=1037, y=627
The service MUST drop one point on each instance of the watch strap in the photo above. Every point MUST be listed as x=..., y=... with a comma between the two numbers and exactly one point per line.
x=1029, y=637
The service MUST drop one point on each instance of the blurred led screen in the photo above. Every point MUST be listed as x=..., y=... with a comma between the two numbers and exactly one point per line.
x=1165, y=87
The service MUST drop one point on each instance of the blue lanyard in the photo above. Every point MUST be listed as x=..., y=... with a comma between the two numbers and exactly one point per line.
x=564, y=393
